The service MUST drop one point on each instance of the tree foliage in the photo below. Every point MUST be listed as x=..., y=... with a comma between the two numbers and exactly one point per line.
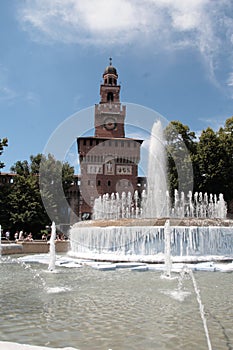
x=25, y=205
x=55, y=180
x=3, y=143
x=211, y=157
x=181, y=148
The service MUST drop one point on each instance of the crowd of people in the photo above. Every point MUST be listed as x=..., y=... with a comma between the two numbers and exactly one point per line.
x=24, y=236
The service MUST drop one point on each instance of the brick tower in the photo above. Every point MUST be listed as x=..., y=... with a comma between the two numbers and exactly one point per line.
x=108, y=160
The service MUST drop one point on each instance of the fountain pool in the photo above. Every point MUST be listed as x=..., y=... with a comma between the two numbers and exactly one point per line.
x=144, y=240
x=90, y=309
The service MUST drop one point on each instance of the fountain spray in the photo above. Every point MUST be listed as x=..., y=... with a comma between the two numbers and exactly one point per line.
x=167, y=249
x=52, y=250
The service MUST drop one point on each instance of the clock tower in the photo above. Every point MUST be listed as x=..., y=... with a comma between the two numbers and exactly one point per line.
x=109, y=113
x=108, y=160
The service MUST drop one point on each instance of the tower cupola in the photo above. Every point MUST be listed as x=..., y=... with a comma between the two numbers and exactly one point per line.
x=110, y=74
x=109, y=90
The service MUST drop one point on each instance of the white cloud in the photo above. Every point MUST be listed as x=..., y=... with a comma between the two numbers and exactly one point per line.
x=6, y=94
x=230, y=79
x=92, y=20
x=205, y=25
x=32, y=98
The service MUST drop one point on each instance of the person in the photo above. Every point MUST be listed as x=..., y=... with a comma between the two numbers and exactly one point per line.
x=29, y=237
x=8, y=235
x=16, y=235
x=21, y=235
x=44, y=238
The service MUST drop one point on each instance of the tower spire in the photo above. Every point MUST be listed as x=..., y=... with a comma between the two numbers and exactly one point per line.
x=110, y=61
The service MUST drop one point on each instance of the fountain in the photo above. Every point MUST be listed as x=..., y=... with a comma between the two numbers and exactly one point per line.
x=148, y=229
x=132, y=310
x=157, y=203
x=167, y=249
x=131, y=227
x=52, y=250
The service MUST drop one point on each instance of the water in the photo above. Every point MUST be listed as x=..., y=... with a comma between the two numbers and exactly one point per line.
x=167, y=249
x=155, y=202
x=201, y=308
x=148, y=242
x=197, y=205
x=98, y=310
x=157, y=190
x=52, y=250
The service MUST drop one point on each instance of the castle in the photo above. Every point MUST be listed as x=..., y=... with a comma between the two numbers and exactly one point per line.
x=108, y=160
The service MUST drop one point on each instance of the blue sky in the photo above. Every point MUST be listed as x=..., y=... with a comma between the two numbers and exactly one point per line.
x=172, y=56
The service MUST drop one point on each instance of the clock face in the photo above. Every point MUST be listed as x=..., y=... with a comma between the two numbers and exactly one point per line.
x=110, y=124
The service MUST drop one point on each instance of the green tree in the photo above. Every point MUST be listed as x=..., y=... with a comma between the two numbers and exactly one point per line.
x=55, y=180
x=225, y=136
x=4, y=191
x=3, y=143
x=211, y=160
x=181, y=150
x=21, y=168
x=35, y=163
x=27, y=209
x=4, y=205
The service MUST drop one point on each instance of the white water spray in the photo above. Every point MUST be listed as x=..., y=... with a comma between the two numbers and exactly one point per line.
x=167, y=249
x=201, y=308
x=156, y=205
x=52, y=250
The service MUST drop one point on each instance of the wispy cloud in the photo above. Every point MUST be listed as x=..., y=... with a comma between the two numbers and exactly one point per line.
x=204, y=25
x=7, y=94
x=32, y=98
x=230, y=79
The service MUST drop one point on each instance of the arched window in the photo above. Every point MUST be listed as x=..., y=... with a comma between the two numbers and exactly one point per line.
x=110, y=97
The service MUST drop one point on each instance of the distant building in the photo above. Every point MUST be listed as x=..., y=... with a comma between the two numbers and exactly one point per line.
x=6, y=178
x=108, y=160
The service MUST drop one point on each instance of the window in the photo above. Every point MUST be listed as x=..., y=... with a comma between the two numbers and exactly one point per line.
x=98, y=183
x=109, y=183
x=110, y=97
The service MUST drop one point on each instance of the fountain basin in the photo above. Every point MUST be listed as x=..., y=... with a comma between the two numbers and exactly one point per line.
x=8, y=248
x=192, y=240
x=27, y=247
x=91, y=309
